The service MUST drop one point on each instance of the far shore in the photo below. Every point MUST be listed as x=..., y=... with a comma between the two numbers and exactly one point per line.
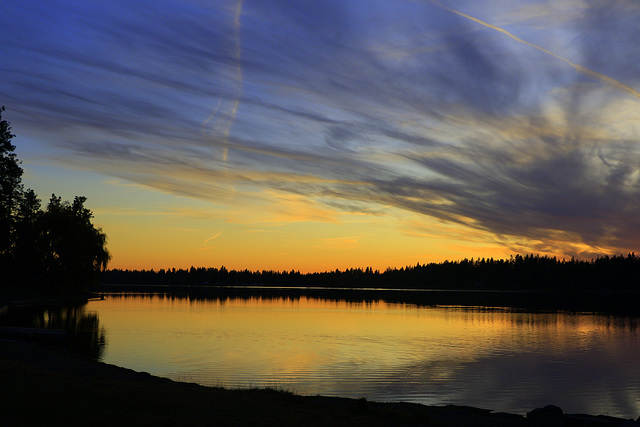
x=623, y=302
x=606, y=301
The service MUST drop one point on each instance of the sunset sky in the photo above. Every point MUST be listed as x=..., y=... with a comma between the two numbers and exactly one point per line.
x=315, y=135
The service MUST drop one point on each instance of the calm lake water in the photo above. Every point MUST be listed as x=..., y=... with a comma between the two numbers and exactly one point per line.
x=497, y=359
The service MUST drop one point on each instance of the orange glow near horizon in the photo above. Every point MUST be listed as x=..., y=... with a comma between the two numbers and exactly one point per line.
x=148, y=229
x=155, y=242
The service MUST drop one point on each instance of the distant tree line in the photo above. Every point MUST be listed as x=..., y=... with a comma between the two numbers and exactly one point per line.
x=515, y=273
x=53, y=250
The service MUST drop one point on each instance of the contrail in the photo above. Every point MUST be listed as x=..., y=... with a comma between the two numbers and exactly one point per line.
x=579, y=68
x=215, y=110
x=223, y=125
x=236, y=104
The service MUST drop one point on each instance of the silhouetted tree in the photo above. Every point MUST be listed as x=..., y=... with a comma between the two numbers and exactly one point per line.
x=55, y=250
x=72, y=250
x=27, y=242
x=10, y=188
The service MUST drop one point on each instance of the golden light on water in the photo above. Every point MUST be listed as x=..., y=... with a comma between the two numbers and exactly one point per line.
x=486, y=357
x=240, y=328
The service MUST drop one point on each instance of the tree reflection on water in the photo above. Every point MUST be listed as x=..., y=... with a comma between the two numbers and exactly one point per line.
x=84, y=336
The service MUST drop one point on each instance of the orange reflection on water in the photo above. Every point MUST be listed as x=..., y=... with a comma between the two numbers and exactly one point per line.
x=375, y=348
x=286, y=334
x=289, y=335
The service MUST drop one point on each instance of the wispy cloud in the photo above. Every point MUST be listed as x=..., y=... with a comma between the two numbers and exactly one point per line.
x=470, y=113
x=215, y=236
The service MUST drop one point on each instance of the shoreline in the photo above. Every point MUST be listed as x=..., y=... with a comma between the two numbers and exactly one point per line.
x=603, y=301
x=42, y=384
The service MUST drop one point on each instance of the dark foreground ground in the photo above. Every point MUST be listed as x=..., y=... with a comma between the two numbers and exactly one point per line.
x=44, y=385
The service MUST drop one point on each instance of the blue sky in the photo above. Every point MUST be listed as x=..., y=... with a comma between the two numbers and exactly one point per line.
x=441, y=129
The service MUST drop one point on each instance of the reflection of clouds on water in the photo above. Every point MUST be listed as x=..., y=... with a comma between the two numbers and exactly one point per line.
x=579, y=380
x=509, y=361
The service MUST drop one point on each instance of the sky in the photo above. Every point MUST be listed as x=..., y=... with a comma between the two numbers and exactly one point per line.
x=306, y=135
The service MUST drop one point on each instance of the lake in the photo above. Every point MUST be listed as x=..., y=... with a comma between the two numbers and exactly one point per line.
x=499, y=359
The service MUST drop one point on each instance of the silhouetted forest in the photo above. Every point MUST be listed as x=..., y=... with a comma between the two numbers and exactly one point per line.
x=529, y=272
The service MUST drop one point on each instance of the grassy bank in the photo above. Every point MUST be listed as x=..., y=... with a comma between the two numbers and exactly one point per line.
x=41, y=385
